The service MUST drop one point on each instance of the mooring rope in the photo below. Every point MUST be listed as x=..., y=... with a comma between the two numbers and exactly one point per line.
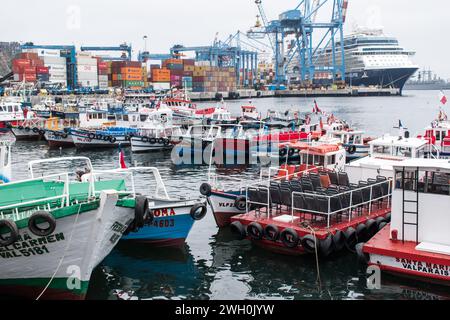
x=319, y=281
x=64, y=254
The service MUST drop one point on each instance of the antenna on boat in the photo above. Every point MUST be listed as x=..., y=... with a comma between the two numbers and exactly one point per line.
x=402, y=133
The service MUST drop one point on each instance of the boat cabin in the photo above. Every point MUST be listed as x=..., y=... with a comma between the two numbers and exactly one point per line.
x=420, y=203
x=93, y=118
x=250, y=112
x=11, y=111
x=5, y=161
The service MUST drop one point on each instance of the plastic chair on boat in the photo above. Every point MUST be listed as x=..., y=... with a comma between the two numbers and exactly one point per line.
x=275, y=197
x=333, y=178
x=315, y=179
x=325, y=180
x=343, y=179
x=286, y=197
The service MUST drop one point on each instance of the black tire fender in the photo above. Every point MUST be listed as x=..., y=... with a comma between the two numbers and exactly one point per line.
x=283, y=152
x=161, y=141
x=289, y=238
x=238, y=229
x=310, y=243
x=198, y=211
x=339, y=240
x=363, y=258
x=112, y=139
x=255, y=231
x=351, y=149
x=12, y=229
x=382, y=225
x=271, y=232
x=152, y=140
x=326, y=246
x=241, y=203
x=140, y=211
x=91, y=136
x=144, y=139
x=388, y=217
x=351, y=239
x=35, y=130
x=372, y=228
x=362, y=233
x=205, y=189
x=41, y=217
x=379, y=220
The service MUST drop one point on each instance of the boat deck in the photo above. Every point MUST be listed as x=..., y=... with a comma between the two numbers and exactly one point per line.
x=381, y=244
x=303, y=223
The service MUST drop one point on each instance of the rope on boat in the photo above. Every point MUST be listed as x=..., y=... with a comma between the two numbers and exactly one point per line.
x=64, y=254
x=319, y=281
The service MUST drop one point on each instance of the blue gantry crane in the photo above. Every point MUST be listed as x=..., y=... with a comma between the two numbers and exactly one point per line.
x=225, y=54
x=124, y=48
x=309, y=39
x=68, y=52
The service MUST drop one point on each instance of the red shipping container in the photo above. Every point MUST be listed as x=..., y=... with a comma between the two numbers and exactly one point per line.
x=29, y=70
x=37, y=63
x=21, y=62
x=42, y=70
x=102, y=66
x=189, y=62
x=29, y=55
x=27, y=77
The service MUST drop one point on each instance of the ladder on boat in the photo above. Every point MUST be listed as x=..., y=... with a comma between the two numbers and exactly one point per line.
x=408, y=203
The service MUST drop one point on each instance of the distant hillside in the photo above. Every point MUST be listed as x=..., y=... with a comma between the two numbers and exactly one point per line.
x=7, y=52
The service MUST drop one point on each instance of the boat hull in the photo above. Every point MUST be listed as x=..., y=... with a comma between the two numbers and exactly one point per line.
x=402, y=259
x=81, y=140
x=23, y=134
x=386, y=78
x=223, y=206
x=137, y=145
x=65, y=259
x=57, y=139
x=169, y=228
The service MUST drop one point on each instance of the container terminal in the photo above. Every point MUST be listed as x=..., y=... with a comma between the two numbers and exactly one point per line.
x=363, y=63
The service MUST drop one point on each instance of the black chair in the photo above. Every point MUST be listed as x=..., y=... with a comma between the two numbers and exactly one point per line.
x=299, y=202
x=286, y=197
x=264, y=199
x=384, y=186
x=333, y=178
x=297, y=188
x=377, y=191
x=311, y=204
x=343, y=179
x=285, y=185
x=275, y=197
x=345, y=196
x=322, y=203
x=253, y=197
x=365, y=191
x=357, y=198
x=315, y=179
x=307, y=185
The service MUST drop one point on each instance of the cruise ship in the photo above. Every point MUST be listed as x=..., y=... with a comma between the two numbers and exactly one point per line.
x=372, y=59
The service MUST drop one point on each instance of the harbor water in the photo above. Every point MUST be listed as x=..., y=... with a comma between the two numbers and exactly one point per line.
x=213, y=265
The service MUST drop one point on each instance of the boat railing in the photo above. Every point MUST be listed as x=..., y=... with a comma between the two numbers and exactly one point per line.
x=65, y=196
x=160, y=191
x=351, y=198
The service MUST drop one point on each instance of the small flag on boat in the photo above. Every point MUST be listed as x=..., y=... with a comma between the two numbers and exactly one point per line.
x=122, y=158
x=442, y=97
x=316, y=109
x=321, y=124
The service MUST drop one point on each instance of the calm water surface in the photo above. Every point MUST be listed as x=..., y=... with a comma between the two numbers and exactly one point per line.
x=215, y=266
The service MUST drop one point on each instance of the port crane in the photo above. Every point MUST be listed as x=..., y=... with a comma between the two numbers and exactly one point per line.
x=301, y=26
x=124, y=48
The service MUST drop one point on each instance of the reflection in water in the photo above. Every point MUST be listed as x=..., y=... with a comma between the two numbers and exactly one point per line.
x=216, y=266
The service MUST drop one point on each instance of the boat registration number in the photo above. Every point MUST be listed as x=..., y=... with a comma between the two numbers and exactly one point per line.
x=163, y=223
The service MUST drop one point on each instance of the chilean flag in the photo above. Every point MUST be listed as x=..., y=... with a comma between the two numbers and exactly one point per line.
x=316, y=109
x=442, y=97
x=122, y=158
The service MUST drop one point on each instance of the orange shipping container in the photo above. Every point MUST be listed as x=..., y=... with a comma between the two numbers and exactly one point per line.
x=130, y=70
x=132, y=77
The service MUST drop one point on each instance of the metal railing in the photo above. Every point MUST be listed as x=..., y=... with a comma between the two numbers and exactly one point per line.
x=351, y=205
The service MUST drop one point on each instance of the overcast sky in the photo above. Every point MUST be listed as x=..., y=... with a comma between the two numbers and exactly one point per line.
x=421, y=26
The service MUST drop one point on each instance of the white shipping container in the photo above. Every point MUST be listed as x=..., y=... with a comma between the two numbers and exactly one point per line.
x=161, y=85
x=63, y=82
x=102, y=78
x=58, y=77
x=61, y=75
x=86, y=61
x=87, y=76
x=57, y=67
x=103, y=84
x=16, y=77
x=88, y=83
x=84, y=54
x=49, y=53
x=54, y=60
x=87, y=68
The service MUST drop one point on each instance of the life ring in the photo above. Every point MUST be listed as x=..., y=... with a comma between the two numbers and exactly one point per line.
x=91, y=136
x=241, y=203
x=140, y=211
x=326, y=246
x=152, y=140
x=13, y=232
x=205, y=189
x=271, y=232
x=351, y=149
x=283, y=152
x=362, y=233
x=144, y=139
x=364, y=258
x=237, y=228
x=198, y=211
x=40, y=217
x=339, y=240
x=112, y=139
x=372, y=228
x=35, y=130
x=255, y=231
x=350, y=239
x=289, y=238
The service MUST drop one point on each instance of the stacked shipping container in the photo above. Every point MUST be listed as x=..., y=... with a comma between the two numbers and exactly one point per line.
x=213, y=79
x=29, y=67
x=128, y=74
x=87, y=72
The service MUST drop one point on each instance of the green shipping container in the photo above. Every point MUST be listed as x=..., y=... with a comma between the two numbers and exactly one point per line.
x=133, y=83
